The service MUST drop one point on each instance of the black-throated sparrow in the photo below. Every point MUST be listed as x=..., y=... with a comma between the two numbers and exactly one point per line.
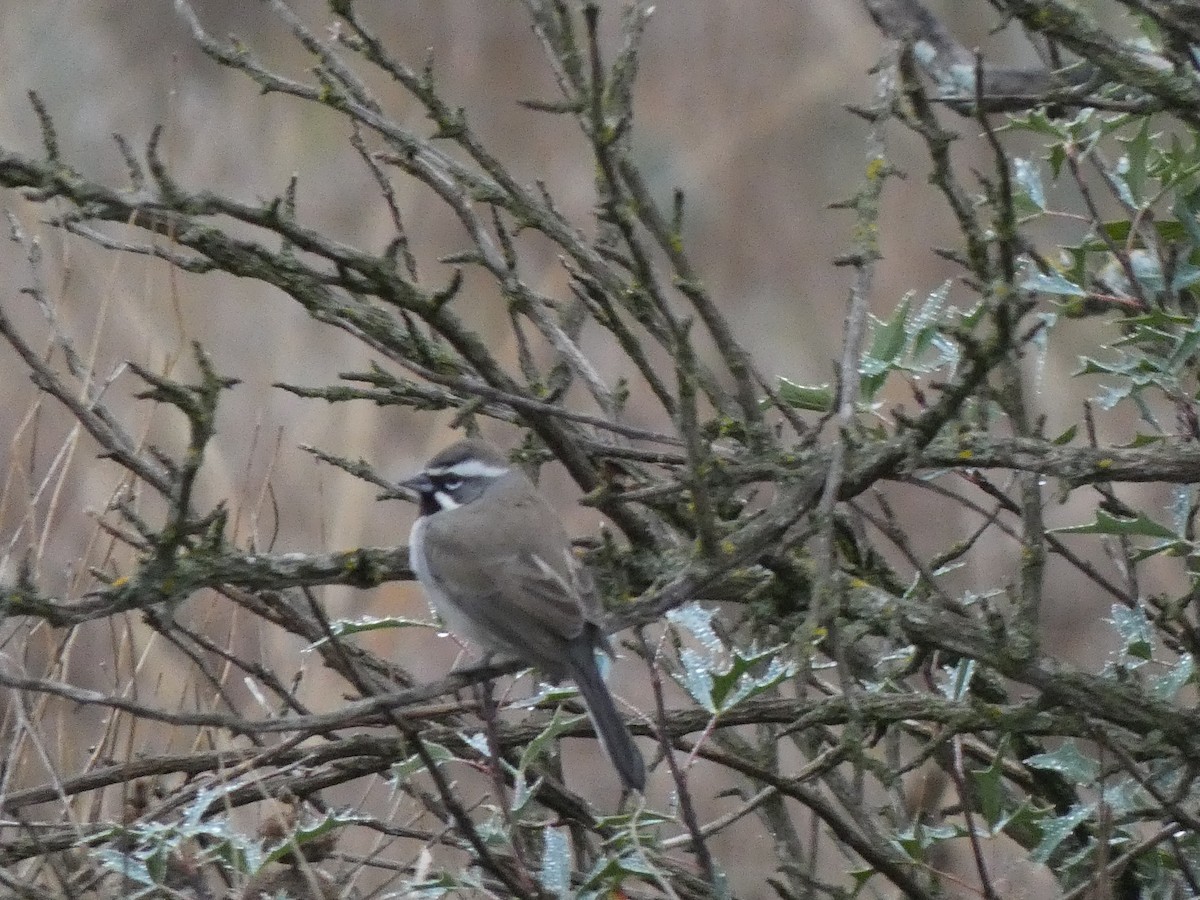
x=496, y=562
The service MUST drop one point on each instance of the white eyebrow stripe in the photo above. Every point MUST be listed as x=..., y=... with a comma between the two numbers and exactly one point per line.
x=468, y=468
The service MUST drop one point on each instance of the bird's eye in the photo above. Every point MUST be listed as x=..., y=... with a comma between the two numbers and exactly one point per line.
x=452, y=484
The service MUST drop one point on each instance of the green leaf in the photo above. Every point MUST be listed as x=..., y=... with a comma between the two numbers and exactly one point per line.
x=1118, y=232
x=1137, y=634
x=720, y=678
x=1027, y=177
x=1183, y=355
x=1119, y=182
x=1147, y=270
x=1041, y=341
x=126, y=865
x=1159, y=319
x=1110, y=395
x=1126, y=364
x=433, y=888
x=887, y=339
x=1187, y=213
x=1133, y=166
x=958, y=684
x=637, y=828
x=860, y=877
x=698, y=621
x=1056, y=830
x=555, y=875
x=305, y=834
x=1143, y=440
x=523, y=792
x=548, y=694
x=1067, y=761
x=915, y=840
x=1126, y=795
x=1185, y=276
x=696, y=677
x=559, y=723
x=738, y=682
x=1066, y=437
x=973, y=316
x=609, y=871
x=1149, y=29
x=406, y=768
x=1052, y=283
x=988, y=786
x=1056, y=158
x=1168, y=686
x=1106, y=523
x=1182, y=499
x=815, y=398
x=156, y=864
x=1038, y=122
x=478, y=742
x=344, y=627
x=924, y=322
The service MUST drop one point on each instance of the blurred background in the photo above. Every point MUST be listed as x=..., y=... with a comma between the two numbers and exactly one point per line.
x=743, y=110
x=741, y=105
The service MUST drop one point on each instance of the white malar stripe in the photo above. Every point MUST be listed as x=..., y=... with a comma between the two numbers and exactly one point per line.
x=445, y=501
x=469, y=468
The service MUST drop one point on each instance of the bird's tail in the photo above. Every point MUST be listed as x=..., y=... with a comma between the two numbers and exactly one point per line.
x=614, y=736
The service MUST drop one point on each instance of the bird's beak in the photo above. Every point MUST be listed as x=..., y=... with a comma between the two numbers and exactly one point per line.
x=418, y=484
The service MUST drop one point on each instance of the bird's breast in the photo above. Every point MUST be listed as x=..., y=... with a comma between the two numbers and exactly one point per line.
x=439, y=593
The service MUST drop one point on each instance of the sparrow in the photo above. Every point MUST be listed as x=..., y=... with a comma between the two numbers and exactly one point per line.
x=496, y=563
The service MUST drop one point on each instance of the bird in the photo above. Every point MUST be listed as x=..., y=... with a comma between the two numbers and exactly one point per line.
x=496, y=564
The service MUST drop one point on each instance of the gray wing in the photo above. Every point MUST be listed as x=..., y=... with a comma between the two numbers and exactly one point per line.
x=525, y=592
x=527, y=611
